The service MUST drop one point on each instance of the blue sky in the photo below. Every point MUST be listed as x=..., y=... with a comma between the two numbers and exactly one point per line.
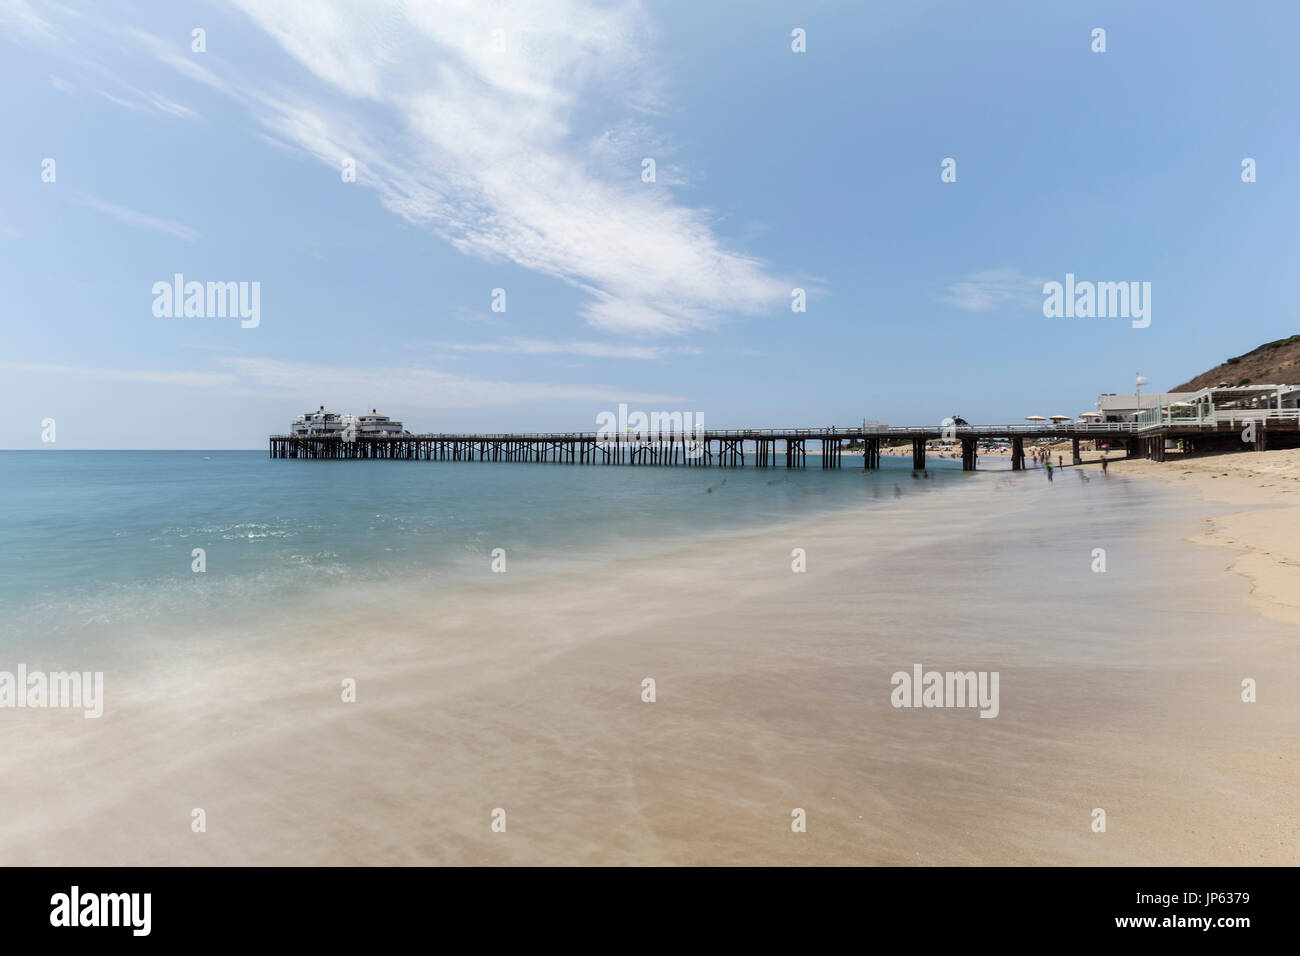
x=513, y=160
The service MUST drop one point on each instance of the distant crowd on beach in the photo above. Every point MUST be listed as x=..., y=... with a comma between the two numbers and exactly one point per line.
x=1038, y=456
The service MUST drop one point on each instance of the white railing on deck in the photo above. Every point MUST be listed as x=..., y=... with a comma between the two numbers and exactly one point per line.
x=1205, y=416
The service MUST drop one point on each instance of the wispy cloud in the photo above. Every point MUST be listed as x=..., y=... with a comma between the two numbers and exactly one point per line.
x=588, y=349
x=473, y=120
x=163, y=105
x=183, y=378
x=131, y=97
x=477, y=121
x=993, y=289
x=133, y=218
x=22, y=15
x=302, y=383
x=74, y=36
x=481, y=145
x=153, y=101
x=411, y=387
x=116, y=100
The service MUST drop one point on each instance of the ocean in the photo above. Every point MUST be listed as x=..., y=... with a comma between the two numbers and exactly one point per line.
x=103, y=541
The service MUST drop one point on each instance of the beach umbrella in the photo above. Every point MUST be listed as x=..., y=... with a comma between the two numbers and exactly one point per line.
x=1035, y=418
x=1060, y=418
x=1091, y=415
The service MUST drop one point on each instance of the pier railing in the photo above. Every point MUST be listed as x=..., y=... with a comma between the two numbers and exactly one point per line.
x=1166, y=416
x=828, y=433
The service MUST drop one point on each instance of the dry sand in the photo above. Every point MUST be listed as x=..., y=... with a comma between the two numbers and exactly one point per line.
x=1119, y=690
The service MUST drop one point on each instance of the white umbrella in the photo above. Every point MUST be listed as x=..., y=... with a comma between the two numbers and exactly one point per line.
x=1035, y=418
x=1060, y=418
x=1091, y=415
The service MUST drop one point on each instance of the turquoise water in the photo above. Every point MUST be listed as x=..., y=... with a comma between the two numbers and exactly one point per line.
x=90, y=540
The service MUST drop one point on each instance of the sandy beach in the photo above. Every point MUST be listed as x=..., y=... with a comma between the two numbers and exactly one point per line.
x=1119, y=690
x=1263, y=526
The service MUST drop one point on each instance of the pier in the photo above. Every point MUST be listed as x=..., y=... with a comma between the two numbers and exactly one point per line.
x=774, y=447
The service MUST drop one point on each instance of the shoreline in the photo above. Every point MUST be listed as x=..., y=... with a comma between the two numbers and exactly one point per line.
x=1265, y=532
x=773, y=693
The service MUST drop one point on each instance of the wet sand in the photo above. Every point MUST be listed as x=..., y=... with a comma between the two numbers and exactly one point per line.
x=1118, y=690
x=1262, y=528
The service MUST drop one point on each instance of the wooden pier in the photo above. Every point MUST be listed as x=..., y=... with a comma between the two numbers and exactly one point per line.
x=770, y=447
x=765, y=448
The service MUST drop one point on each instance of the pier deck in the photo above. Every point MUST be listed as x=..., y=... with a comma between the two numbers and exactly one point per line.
x=728, y=447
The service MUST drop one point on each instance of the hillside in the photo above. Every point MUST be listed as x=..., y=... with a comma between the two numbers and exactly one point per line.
x=1274, y=363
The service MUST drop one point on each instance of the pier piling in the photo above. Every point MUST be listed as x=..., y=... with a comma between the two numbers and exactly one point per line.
x=1017, y=454
x=726, y=448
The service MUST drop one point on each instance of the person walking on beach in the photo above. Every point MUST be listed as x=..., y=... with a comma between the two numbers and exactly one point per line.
x=1104, y=464
x=1049, y=469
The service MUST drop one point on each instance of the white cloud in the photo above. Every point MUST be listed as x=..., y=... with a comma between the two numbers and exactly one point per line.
x=118, y=101
x=588, y=349
x=186, y=379
x=303, y=384
x=163, y=105
x=133, y=218
x=138, y=99
x=23, y=16
x=995, y=288
x=529, y=154
x=70, y=38
x=487, y=147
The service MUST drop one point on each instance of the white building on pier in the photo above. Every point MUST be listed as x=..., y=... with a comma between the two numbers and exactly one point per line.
x=326, y=424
